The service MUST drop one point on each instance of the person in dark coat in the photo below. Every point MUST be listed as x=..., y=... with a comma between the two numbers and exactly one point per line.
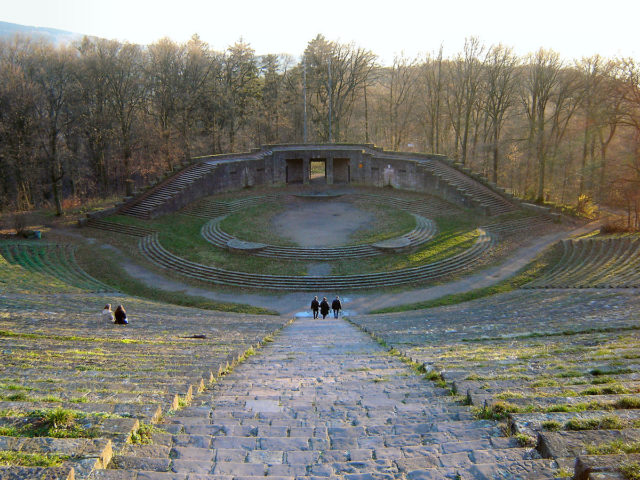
x=315, y=305
x=336, y=306
x=324, y=307
x=121, y=316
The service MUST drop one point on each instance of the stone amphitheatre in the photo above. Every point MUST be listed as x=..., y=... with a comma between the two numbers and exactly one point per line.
x=481, y=337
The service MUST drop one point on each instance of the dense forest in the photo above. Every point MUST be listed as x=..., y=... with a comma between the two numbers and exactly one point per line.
x=79, y=121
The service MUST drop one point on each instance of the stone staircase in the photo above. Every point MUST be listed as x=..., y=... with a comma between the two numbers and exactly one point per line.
x=144, y=205
x=477, y=194
x=324, y=401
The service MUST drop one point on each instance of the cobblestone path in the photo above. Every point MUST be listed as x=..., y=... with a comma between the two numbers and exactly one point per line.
x=325, y=401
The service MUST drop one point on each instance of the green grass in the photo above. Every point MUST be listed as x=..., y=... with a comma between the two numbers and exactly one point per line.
x=144, y=434
x=180, y=234
x=254, y=224
x=58, y=423
x=11, y=458
x=388, y=222
x=610, y=422
x=630, y=470
x=615, y=447
x=455, y=234
x=104, y=265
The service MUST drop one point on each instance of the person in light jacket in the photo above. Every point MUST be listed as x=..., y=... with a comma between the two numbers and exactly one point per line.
x=107, y=314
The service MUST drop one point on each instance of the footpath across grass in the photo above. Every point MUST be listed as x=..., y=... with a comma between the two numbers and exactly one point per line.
x=105, y=266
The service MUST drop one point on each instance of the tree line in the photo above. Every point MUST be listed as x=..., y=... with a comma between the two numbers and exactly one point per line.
x=82, y=120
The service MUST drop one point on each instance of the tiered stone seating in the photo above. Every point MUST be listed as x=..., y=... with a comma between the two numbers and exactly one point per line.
x=209, y=208
x=55, y=260
x=427, y=206
x=562, y=366
x=119, y=228
x=424, y=231
x=153, y=250
x=57, y=353
x=518, y=226
x=594, y=263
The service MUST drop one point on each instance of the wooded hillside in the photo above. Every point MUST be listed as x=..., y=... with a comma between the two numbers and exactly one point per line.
x=77, y=121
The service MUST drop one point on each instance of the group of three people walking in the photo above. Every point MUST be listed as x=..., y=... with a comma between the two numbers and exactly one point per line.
x=323, y=307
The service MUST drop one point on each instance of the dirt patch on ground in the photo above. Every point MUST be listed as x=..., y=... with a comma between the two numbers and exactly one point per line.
x=320, y=223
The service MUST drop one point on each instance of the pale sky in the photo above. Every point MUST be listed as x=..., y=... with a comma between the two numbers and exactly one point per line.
x=574, y=28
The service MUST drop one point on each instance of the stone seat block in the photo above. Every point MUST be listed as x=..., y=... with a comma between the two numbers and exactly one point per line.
x=127, y=462
x=77, y=448
x=590, y=467
x=531, y=423
x=146, y=451
x=572, y=444
x=37, y=473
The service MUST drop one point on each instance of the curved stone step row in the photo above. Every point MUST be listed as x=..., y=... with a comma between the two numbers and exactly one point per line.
x=428, y=206
x=323, y=400
x=153, y=250
x=566, y=387
x=424, y=231
x=594, y=263
x=486, y=198
x=117, y=376
x=54, y=260
x=209, y=208
x=518, y=225
x=114, y=227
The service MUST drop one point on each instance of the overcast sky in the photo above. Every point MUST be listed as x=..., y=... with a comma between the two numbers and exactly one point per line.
x=574, y=28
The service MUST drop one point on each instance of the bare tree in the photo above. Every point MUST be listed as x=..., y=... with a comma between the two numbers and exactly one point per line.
x=500, y=86
x=541, y=77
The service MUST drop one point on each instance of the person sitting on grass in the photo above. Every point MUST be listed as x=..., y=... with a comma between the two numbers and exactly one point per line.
x=121, y=316
x=107, y=314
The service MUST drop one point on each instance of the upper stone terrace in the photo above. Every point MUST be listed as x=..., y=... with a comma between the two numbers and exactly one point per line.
x=340, y=163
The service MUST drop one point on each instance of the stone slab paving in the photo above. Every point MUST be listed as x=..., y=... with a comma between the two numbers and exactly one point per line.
x=326, y=401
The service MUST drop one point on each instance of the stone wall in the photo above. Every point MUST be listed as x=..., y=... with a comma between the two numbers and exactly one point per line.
x=276, y=165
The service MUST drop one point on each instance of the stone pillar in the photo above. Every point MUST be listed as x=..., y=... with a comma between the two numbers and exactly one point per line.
x=306, y=169
x=328, y=166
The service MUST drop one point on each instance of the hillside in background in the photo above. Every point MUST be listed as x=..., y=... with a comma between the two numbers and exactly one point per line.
x=53, y=35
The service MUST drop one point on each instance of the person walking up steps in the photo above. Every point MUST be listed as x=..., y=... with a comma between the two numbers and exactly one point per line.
x=324, y=307
x=336, y=306
x=315, y=305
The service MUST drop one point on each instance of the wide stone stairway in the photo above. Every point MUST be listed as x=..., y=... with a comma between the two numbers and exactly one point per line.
x=326, y=401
